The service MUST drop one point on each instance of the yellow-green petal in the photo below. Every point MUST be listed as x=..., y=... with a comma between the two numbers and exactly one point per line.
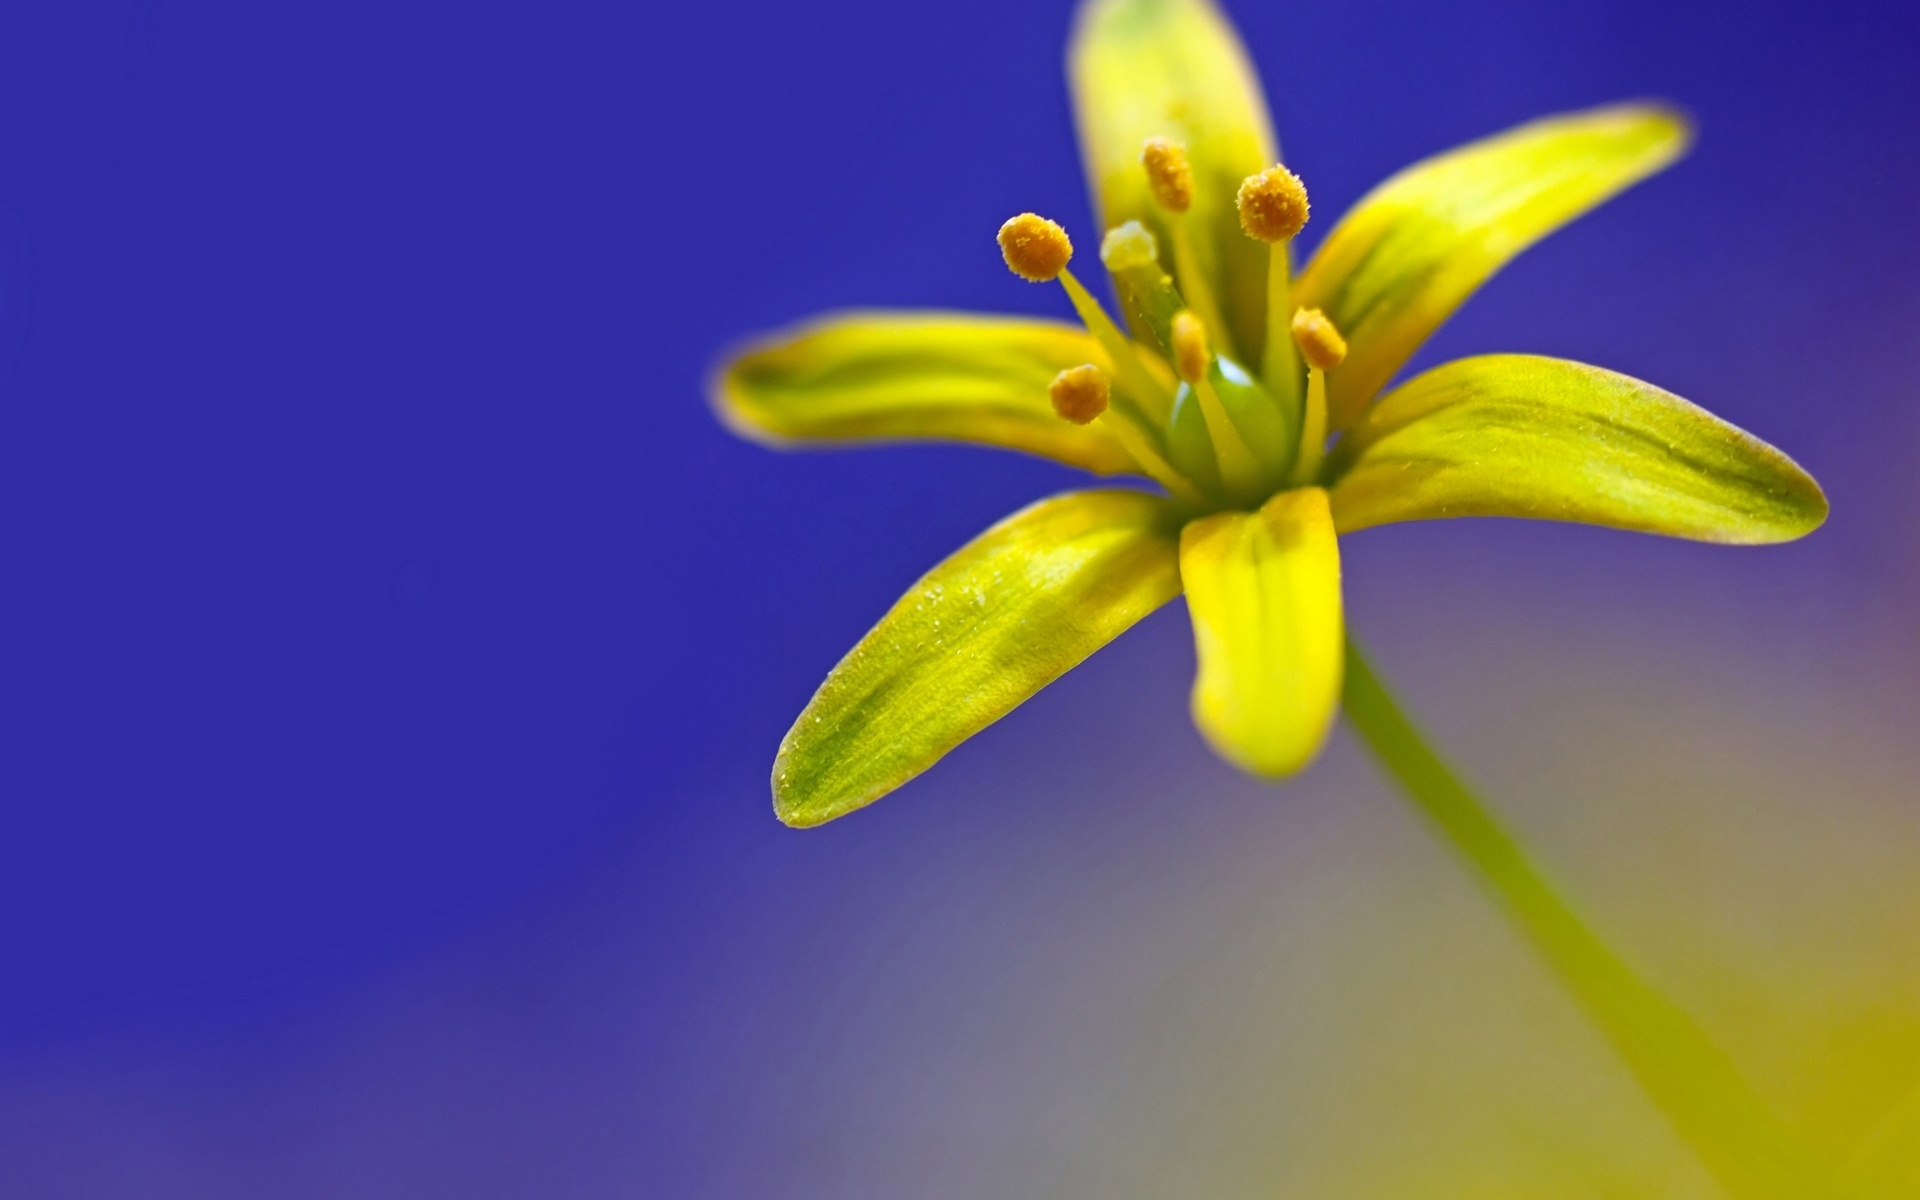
x=1418, y=245
x=1142, y=69
x=1512, y=435
x=916, y=376
x=1264, y=592
x=1888, y=1162
x=1008, y=614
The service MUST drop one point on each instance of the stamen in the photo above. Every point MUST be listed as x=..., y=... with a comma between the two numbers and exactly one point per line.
x=1273, y=205
x=1279, y=363
x=1313, y=432
x=1192, y=359
x=1320, y=343
x=1324, y=349
x=1169, y=175
x=1273, y=208
x=1148, y=394
x=1170, y=180
x=1080, y=394
x=1036, y=249
x=1190, y=353
x=1145, y=451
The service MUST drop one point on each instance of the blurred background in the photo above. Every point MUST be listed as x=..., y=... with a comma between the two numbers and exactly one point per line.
x=395, y=649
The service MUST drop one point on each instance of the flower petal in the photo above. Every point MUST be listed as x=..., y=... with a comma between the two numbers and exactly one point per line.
x=1418, y=245
x=1264, y=592
x=901, y=376
x=1008, y=614
x=1175, y=68
x=1512, y=435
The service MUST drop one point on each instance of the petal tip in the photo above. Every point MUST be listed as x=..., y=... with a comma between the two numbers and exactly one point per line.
x=1811, y=509
x=1677, y=123
x=796, y=815
x=1671, y=124
x=1263, y=593
x=725, y=400
x=1258, y=761
x=1819, y=510
x=799, y=806
x=1797, y=505
x=808, y=791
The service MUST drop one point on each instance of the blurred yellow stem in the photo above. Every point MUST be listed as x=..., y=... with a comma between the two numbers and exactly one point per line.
x=1698, y=1088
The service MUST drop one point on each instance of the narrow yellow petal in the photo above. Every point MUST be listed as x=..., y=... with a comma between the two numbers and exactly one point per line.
x=1263, y=589
x=1514, y=435
x=1418, y=245
x=916, y=376
x=1006, y=615
x=1175, y=69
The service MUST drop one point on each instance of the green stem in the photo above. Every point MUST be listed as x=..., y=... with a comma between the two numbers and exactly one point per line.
x=1745, y=1147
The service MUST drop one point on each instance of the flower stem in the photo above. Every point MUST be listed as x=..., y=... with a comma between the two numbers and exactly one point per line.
x=1688, y=1078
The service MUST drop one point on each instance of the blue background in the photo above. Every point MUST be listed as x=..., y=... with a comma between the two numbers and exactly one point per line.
x=394, y=647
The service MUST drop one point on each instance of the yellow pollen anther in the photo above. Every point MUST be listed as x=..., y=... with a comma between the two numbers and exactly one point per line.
x=1190, y=353
x=1036, y=249
x=1080, y=393
x=1127, y=247
x=1320, y=343
x=1169, y=175
x=1273, y=205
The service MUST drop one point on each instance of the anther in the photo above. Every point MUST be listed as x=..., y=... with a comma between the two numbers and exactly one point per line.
x=1080, y=393
x=1190, y=352
x=1170, y=180
x=1036, y=249
x=1320, y=343
x=1127, y=247
x=1324, y=349
x=1273, y=205
x=1169, y=175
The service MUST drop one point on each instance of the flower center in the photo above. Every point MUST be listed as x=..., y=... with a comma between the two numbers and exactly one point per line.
x=1170, y=390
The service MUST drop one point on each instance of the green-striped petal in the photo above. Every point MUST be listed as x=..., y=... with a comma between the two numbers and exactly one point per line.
x=1175, y=68
x=1264, y=592
x=1419, y=244
x=1008, y=614
x=914, y=376
x=1512, y=435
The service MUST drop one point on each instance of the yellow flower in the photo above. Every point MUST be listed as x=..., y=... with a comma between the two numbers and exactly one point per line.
x=1251, y=397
